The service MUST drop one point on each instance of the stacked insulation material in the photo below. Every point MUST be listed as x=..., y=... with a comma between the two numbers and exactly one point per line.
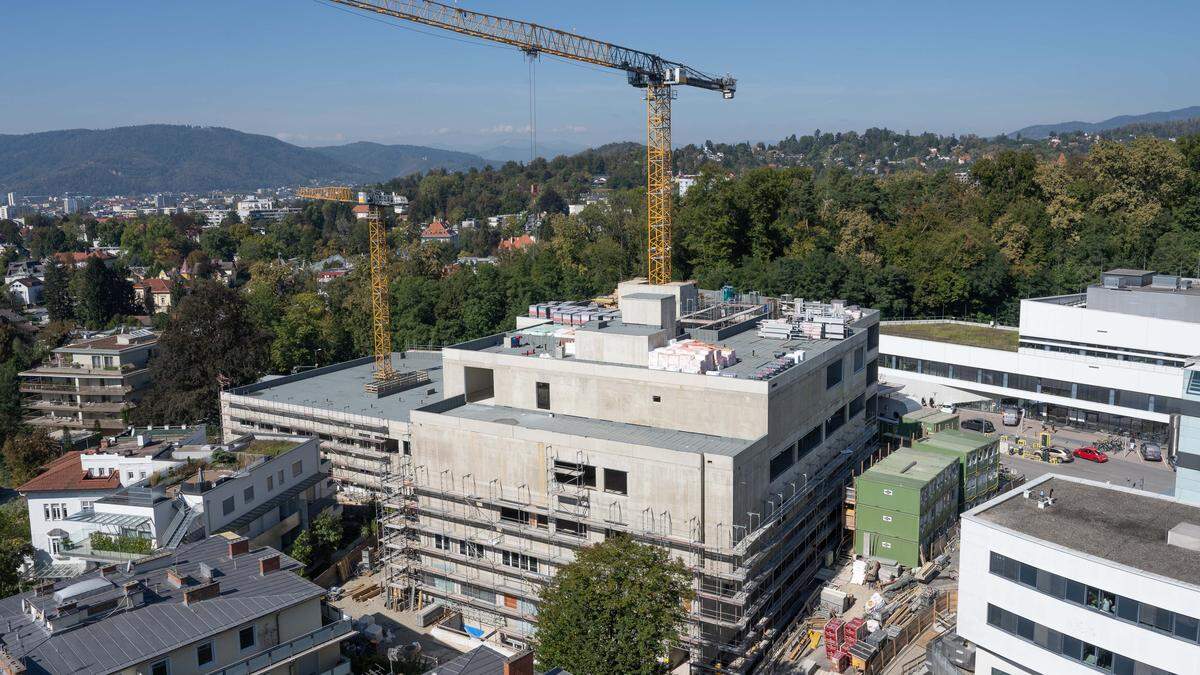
x=692, y=356
x=572, y=313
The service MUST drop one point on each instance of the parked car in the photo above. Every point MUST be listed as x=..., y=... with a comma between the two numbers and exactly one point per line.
x=1151, y=452
x=1091, y=454
x=1012, y=417
x=1060, y=453
x=947, y=408
x=978, y=424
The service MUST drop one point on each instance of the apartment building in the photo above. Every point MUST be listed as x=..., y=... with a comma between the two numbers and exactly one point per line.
x=154, y=490
x=217, y=606
x=1112, y=357
x=91, y=382
x=362, y=436
x=1068, y=576
x=730, y=447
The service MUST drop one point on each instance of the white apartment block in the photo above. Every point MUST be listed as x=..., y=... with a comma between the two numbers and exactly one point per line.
x=1069, y=576
x=90, y=382
x=1110, y=358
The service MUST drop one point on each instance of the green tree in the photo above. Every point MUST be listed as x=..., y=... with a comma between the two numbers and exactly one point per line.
x=15, y=546
x=24, y=453
x=102, y=293
x=56, y=294
x=302, y=548
x=617, y=608
x=210, y=341
x=327, y=530
x=304, y=335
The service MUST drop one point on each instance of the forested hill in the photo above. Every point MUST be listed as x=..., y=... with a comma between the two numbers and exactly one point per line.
x=383, y=162
x=174, y=158
x=1045, y=130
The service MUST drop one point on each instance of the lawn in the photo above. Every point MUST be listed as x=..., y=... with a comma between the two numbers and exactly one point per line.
x=963, y=334
x=269, y=448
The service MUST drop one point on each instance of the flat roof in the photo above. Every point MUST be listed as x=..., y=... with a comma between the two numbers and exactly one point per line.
x=655, y=437
x=339, y=388
x=969, y=334
x=929, y=415
x=908, y=467
x=754, y=353
x=1127, y=272
x=1122, y=525
x=957, y=440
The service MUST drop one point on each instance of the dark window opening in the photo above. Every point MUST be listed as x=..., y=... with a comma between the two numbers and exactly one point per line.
x=543, y=395
x=616, y=481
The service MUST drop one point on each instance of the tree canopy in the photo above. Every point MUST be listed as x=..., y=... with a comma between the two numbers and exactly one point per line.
x=617, y=608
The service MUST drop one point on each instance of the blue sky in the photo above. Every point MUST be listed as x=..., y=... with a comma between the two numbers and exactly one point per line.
x=307, y=72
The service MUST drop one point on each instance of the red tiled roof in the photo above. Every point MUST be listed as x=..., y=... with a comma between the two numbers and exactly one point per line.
x=362, y=208
x=517, y=243
x=436, y=230
x=156, y=285
x=66, y=473
x=79, y=257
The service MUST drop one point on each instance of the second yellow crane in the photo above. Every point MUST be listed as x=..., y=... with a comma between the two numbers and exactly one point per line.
x=644, y=70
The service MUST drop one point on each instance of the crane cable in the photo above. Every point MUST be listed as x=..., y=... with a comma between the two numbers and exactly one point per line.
x=531, y=57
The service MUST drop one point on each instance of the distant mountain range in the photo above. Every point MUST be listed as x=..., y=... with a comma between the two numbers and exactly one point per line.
x=175, y=158
x=1038, y=131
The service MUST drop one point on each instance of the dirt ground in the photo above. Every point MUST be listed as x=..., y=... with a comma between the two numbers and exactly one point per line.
x=403, y=626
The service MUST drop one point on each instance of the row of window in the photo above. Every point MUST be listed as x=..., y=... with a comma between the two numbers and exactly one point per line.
x=205, y=652
x=228, y=505
x=1120, y=607
x=561, y=525
x=1067, y=646
x=784, y=460
x=1044, y=385
x=584, y=475
x=55, y=510
x=473, y=550
x=1092, y=347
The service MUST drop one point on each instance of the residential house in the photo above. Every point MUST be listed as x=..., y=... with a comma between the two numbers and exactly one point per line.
x=154, y=292
x=91, y=381
x=79, y=259
x=219, y=605
x=24, y=268
x=26, y=290
x=439, y=231
x=517, y=243
x=361, y=211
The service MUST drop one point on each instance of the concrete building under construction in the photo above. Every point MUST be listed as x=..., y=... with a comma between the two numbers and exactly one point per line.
x=721, y=427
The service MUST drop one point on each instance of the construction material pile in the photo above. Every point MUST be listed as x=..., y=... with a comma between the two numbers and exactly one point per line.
x=782, y=362
x=840, y=637
x=812, y=321
x=692, y=356
x=573, y=313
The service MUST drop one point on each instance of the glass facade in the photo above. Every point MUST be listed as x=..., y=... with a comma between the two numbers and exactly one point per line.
x=1067, y=646
x=1105, y=602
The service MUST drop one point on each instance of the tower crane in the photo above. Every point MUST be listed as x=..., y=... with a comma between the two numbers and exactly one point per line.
x=385, y=377
x=644, y=70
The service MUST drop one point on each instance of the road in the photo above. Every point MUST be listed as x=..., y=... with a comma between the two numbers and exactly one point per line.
x=1151, y=476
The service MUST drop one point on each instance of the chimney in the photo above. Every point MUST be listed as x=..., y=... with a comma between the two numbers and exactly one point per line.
x=107, y=570
x=520, y=664
x=268, y=565
x=175, y=578
x=135, y=593
x=194, y=595
x=238, y=547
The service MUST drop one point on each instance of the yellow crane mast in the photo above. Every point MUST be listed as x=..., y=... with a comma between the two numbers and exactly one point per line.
x=644, y=70
x=381, y=329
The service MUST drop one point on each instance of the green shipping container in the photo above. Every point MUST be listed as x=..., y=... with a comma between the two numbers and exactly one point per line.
x=931, y=420
x=875, y=545
x=883, y=521
x=978, y=457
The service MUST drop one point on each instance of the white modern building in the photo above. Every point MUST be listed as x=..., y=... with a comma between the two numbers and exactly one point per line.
x=1110, y=358
x=26, y=290
x=1068, y=576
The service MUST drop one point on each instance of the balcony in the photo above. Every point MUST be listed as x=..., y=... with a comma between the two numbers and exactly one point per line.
x=78, y=406
x=56, y=421
x=29, y=386
x=287, y=652
x=72, y=368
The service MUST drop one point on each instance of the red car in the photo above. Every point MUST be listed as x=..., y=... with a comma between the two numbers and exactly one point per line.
x=1091, y=454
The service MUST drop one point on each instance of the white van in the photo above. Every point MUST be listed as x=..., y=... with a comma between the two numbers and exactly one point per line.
x=1012, y=417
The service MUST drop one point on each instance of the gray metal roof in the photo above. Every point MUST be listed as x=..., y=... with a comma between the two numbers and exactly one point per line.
x=114, y=519
x=483, y=660
x=339, y=388
x=654, y=437
x=163, y=623
x=1128, y=527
